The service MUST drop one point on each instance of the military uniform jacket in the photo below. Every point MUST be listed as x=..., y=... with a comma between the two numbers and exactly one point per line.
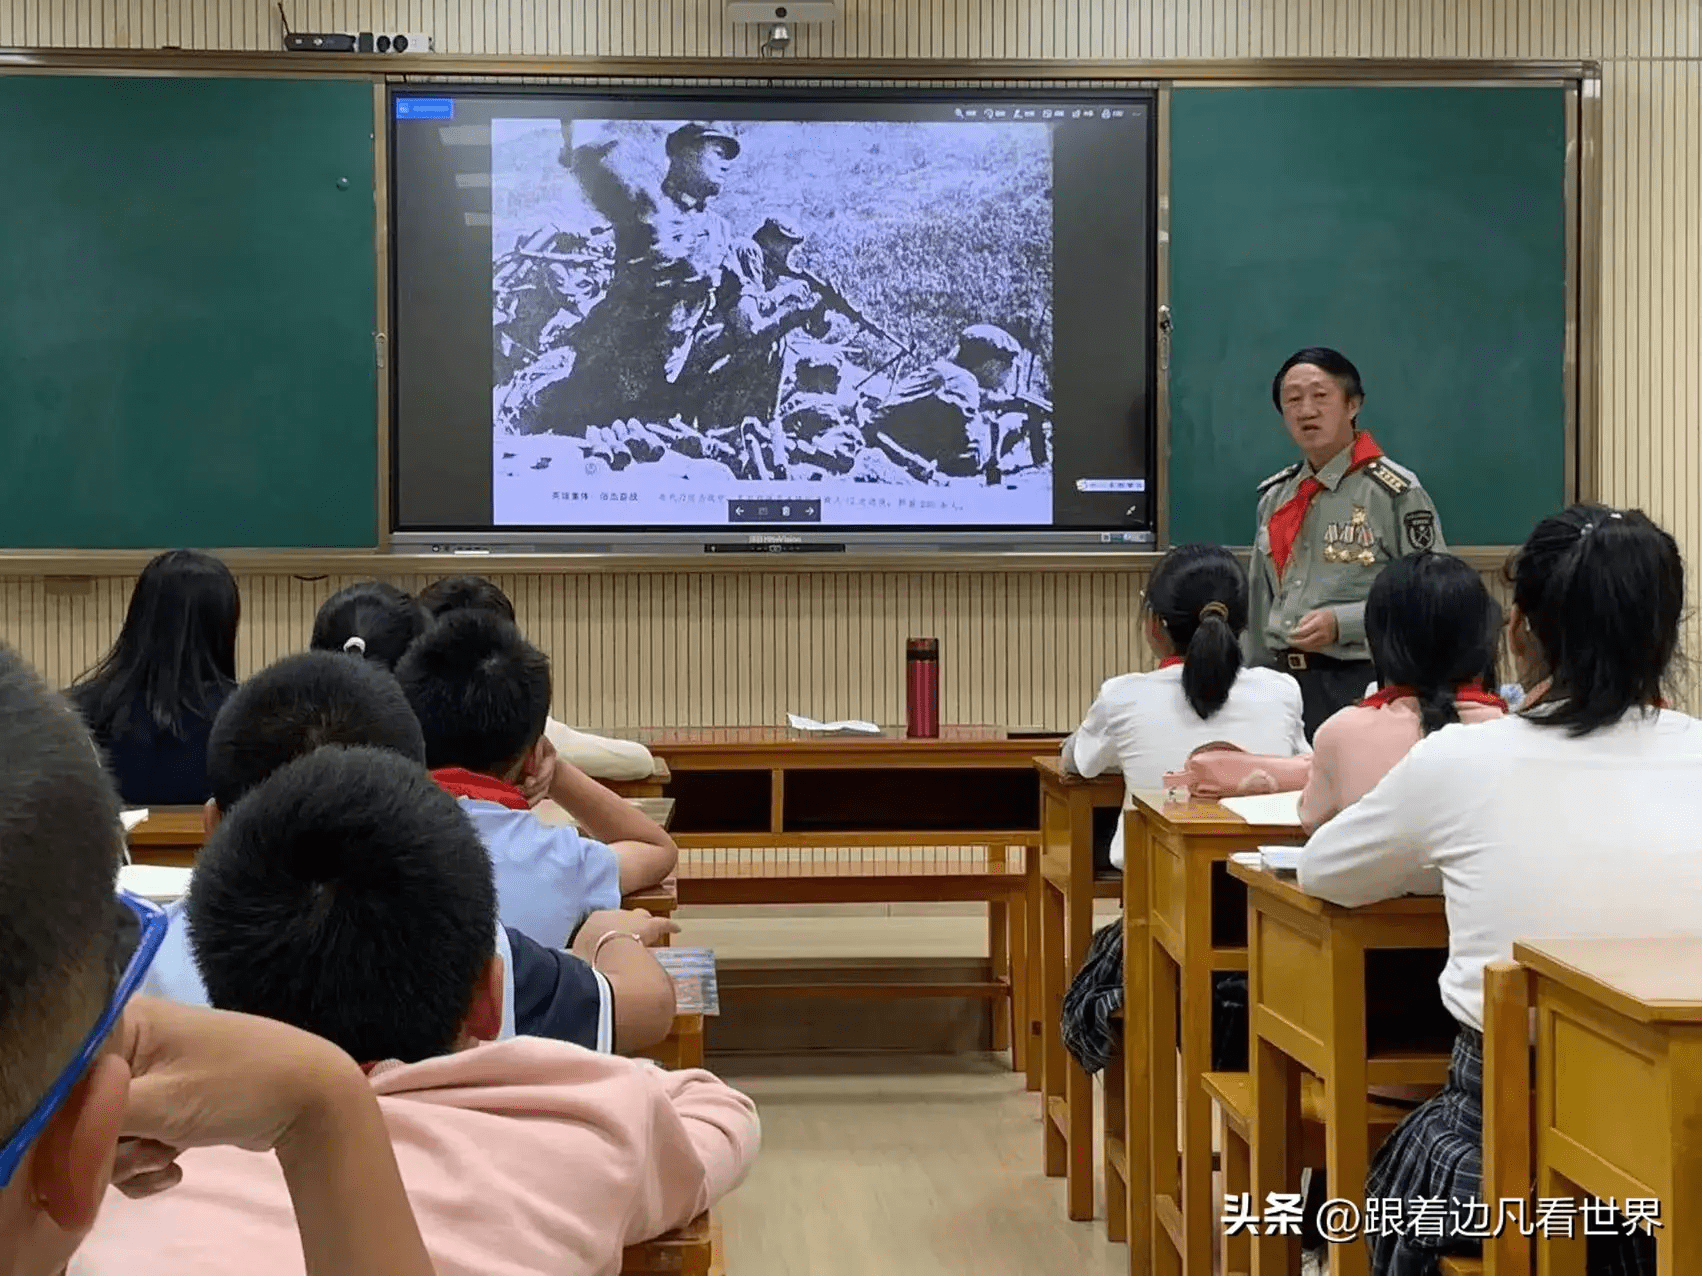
x=1360, y=522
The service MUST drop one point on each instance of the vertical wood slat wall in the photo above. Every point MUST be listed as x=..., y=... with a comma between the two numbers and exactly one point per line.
x=1023, y=648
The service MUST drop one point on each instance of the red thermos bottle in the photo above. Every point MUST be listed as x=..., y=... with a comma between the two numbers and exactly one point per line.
x=922, y=688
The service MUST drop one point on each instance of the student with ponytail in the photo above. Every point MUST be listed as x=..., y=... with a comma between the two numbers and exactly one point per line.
x=374, y=620
x=1146, y=724
x=1433, y=630
x=1574, y=818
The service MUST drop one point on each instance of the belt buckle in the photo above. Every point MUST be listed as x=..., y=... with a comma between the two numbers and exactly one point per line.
x=1297, y=661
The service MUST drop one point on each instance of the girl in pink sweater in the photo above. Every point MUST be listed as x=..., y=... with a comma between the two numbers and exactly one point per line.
x=1433, y=630
x=348, y=896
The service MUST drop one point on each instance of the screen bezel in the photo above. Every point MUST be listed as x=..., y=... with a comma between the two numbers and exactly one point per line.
x=654, y=540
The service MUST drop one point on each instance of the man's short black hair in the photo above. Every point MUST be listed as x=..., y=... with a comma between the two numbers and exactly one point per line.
x=298, y=704
x=60, y=846
x=458, y=593
x=349, y=896
x=480, y=691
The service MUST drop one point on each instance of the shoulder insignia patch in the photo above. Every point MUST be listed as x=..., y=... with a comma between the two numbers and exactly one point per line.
x=1420, y=527
x=1386, y=478
x=1287, y=472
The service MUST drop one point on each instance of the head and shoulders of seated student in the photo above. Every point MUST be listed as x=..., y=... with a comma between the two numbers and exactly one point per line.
x=1433, y=631
x=599, y=756
x=347, y=895
x=1194, y=612
x=59, y=922
x=152, y=698
x=286, y=710
x=372, y=619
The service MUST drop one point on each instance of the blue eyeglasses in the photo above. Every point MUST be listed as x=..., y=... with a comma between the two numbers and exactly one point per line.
x=142, y=928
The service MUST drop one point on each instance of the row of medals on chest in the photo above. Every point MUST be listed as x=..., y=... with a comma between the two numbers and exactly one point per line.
x=1352, y=541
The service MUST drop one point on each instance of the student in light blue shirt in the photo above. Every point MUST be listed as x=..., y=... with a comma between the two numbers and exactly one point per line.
x=481, y=693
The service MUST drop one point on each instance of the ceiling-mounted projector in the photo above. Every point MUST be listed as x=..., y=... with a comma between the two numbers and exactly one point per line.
x=793, y=11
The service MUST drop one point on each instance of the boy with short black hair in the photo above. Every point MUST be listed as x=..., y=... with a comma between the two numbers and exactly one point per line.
x=481, y=693
x=600, y=757
x=314, y=699
x=82, y=1063
x=348, y=896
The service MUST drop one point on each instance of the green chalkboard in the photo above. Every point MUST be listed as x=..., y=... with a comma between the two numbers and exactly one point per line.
x=187, y=309
x=1422, y=232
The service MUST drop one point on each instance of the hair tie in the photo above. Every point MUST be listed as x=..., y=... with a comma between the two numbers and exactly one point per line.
x=1214, y=608
x=355, y=644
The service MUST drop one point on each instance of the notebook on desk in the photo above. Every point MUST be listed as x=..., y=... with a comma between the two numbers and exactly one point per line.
x=1272, y=859
x=1266, y=808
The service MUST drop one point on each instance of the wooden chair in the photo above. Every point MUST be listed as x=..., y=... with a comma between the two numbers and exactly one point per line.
x=1508, y=1129
x=694, y=1250
x=1231, y=1094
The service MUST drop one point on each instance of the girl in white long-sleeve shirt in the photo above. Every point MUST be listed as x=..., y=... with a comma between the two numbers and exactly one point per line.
x=1580, y=817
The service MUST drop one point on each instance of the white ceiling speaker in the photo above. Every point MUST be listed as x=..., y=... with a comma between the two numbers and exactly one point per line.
x=796, y=12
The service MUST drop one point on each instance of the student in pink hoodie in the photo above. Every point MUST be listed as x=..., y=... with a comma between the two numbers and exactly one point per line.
x=1433, y=631
x=349, y=896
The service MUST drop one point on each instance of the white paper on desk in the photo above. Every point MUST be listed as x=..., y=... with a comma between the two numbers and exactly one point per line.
x=1280, y=859
x=1266, y=808
x=800, y=723
x=159, y=882
x=130, y=819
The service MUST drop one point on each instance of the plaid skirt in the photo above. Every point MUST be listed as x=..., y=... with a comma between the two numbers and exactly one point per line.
x=1436, y=1154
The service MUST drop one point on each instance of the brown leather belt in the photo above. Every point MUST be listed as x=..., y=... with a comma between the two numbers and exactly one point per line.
x=1304, y=661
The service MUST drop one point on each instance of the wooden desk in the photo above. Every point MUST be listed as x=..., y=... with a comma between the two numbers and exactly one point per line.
x=1196, y=926
x=1059, y=895
x=768, y=815
x=171, y=835
x=1350, y=995
x=1619, y=1086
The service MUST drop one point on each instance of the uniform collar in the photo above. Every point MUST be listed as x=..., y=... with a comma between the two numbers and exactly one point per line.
x=1337, y=467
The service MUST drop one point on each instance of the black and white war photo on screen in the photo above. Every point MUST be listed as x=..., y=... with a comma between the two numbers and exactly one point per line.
x=690, y=313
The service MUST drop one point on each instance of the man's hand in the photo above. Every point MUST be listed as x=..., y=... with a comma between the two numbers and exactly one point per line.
x=1316, y=630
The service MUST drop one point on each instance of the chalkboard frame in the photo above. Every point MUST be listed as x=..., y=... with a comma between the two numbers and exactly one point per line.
x=1583, y=77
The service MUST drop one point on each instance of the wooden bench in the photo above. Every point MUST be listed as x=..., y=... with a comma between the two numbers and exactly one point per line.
x=694, y=1250
x=1231, y=1094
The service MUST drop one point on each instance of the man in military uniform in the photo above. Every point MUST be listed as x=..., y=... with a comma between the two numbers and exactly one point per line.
x=740, y=360
x=671, y=254
x=1327, y=526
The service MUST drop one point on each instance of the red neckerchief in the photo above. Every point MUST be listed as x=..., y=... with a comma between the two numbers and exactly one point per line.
x=1168, y=661
x=462, y=783
x=1287, y=518
x=1471, y=693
